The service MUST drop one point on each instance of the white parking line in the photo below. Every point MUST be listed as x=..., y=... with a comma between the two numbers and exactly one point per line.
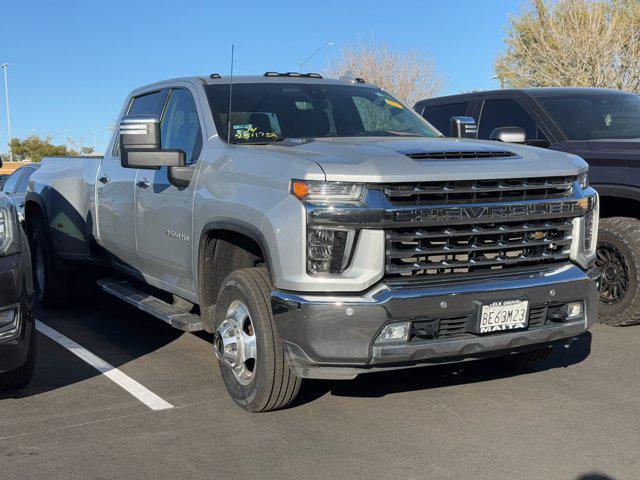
x=146, y=396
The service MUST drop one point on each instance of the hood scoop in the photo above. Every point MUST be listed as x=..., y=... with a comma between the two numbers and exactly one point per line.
x=458, y=155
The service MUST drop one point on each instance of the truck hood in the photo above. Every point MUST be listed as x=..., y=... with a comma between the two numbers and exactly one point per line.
x=385, y=159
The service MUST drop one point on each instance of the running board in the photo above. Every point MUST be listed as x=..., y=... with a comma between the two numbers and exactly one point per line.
x=166, y=312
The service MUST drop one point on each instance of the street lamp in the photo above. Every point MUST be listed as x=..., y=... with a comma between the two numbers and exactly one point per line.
x=6, y=97
x=95, y=141
x=327, y=44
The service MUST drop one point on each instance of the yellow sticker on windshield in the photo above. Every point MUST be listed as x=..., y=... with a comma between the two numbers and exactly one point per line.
x=392, y=103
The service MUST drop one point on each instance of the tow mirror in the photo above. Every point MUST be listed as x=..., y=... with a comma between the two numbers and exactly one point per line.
x=508, y=135
x=140, y=145
x=464, y=127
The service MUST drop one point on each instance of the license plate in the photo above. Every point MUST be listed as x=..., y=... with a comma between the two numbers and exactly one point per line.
x=504, y=315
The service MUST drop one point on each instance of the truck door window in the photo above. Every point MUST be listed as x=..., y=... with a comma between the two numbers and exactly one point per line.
x=180, y=128
x=148, y=104
x=507, y=113
x=12, y=181
x=440, y=115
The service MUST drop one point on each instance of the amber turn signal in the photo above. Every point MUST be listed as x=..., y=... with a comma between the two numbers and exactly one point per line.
x=300, y=189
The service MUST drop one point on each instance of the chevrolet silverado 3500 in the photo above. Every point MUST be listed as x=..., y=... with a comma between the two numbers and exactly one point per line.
x=320, y=229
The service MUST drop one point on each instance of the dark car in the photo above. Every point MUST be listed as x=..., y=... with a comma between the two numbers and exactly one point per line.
x=15, y=187
x=603, y=127
x=3, y=178
x=17, y=324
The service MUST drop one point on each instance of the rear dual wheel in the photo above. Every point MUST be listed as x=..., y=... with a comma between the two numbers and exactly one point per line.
x=53, y=285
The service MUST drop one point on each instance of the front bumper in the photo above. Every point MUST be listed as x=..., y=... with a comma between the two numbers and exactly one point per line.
x=333, y=337
x=16, y=291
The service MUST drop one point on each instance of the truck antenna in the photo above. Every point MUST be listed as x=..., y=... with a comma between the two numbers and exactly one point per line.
x=230, y=97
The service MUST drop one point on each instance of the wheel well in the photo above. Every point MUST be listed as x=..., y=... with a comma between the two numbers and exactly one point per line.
x=222, y=252
x=619, y=207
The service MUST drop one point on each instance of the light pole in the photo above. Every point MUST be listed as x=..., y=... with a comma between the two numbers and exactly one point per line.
x=95, y=141
x=327, y=44
x=6, y=97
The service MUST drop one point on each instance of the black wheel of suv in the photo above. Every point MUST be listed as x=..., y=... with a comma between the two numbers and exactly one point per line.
x=53, y=285
x=18, y=378
x=249, y=351
x=526, y=360
x=618, y=257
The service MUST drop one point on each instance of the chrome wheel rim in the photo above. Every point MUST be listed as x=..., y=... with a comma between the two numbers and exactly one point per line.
x=39, y=269
x=235, y=342
x=614, y=282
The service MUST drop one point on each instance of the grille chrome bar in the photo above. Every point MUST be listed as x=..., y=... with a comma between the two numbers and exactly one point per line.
x=395, y=236
x=480, y=191
x=454, y=265
x=403, y=192
x=403, y=253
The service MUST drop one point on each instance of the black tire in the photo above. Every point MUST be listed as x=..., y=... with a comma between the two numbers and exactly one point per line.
x=618, y=256
x=21, y=376
x=272, y=385
x=526, y=360
x=53, y=285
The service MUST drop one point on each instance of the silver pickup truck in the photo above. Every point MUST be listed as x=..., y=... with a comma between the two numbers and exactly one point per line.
x=320, y=229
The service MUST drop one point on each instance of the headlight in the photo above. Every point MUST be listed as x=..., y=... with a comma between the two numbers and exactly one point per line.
x=9, y=240
x=583, y=178
x=326, y=192
x=328, y=251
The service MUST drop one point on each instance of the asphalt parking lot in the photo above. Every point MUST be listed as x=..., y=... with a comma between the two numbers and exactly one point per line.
x=576, y=417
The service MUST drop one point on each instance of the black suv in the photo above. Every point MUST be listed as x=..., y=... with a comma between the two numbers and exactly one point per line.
x=17, y=324
x=603, y=127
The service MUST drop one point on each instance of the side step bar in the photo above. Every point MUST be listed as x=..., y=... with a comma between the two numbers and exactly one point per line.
x=166, y=312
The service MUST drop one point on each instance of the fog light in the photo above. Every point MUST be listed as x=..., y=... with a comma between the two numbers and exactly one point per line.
x=8, y=317
x=395, y=332
x=574, y=310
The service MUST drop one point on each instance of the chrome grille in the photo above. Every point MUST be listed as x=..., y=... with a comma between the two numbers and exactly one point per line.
x=479, y=191
x=430, y=251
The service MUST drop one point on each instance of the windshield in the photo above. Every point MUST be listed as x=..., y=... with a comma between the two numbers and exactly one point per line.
x=269, y=112
x=593, y=117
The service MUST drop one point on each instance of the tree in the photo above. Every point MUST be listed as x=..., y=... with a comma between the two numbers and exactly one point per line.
x=583, y=43
x=410, y=76
x=35, y=147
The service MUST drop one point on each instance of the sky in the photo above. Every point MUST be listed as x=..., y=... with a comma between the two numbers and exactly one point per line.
x=72, y=63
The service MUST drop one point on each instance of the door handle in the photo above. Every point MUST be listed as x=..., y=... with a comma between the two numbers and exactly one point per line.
x=104, y=178
x=144, y=183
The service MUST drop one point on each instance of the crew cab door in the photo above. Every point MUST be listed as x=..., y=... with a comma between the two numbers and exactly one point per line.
x=115, y=190
x=164, y=212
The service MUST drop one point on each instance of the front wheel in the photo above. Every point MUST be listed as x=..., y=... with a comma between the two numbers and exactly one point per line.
x=618, y=257
x=249, y=351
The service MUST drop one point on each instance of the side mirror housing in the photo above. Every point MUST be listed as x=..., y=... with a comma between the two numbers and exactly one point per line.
x=464, y=127
x=508, y=135
x=140, y=145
